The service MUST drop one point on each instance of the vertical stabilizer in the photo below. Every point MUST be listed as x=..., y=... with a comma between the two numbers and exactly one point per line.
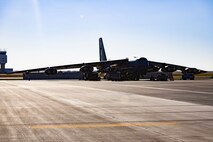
x=102, y=53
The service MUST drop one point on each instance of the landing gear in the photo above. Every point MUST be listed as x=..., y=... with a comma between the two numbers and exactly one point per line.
x=122, y=76
x=93, y=76
x=152, y=78
x=162, y=77
x=188, y=76
x=159, y=77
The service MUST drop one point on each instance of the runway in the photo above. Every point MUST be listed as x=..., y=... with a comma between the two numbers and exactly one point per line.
x=106, y=111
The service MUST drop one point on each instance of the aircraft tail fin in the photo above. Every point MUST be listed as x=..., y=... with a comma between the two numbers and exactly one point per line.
x=102, y=53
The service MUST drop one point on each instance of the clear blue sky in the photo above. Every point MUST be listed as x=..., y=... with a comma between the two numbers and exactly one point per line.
x=39, y=33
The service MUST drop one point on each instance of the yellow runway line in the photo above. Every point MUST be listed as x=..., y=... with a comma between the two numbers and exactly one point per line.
x=147, y=124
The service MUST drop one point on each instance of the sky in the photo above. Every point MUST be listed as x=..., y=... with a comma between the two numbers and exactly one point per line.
x=40, y=33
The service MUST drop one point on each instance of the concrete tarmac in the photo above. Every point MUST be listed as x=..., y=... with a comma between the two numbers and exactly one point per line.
x=177, y=111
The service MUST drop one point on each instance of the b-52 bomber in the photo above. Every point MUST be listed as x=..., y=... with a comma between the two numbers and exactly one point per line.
x=118, y=70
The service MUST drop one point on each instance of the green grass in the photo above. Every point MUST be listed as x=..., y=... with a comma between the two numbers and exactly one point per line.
x=208, y=75
x=11, y=76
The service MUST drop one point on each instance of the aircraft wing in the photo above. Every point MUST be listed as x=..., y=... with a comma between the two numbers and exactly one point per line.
x=72, y=66
x=165, y=67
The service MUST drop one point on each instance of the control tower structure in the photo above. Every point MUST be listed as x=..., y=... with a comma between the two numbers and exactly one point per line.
x=3, y=60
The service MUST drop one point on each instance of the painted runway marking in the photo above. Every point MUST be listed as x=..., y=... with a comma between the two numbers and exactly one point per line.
x=168, y=89
x=147, y=124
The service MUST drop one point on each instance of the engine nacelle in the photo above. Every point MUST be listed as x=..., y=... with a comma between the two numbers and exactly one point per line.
x=169, y=69
x=86, y=69
x=51, y=71
x=153, y=69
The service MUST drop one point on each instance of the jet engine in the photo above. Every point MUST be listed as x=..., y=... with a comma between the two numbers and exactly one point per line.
x=89, y=74
x=188, y=73
x=51, y=71
x=169, y=68
x=86, y=69
x=192, y=70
